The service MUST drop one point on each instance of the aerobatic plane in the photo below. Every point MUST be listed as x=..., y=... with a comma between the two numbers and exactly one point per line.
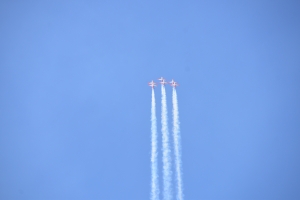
x=174, y=84
x=161, y=78
x=152, y=84
x=162, y=81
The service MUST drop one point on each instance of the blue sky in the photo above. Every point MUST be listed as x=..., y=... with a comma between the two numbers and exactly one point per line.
x=75, y=105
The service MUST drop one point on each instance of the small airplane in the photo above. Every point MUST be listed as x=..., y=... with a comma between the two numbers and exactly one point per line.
x=161, y=78
x=173, y=83
x=162, y=81
x=152, y=84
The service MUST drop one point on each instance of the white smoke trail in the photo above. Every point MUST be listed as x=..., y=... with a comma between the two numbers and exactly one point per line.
x=177, y=145
x=154, y=173
x=167, y=178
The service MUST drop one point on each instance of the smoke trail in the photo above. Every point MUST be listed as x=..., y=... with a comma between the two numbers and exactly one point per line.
x=177, y=145
x=154, y=174
x=167, y=178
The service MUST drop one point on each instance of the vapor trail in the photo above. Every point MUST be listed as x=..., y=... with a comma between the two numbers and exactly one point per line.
x=167, y=178
x=154, y=173
x=177, y=145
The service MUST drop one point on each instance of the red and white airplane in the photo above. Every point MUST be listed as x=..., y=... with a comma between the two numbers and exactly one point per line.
x=152, y=84
x=162, y=81
x=173, y=83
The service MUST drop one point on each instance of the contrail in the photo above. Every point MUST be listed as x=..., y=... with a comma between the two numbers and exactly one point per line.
x=167, y=178
x=154, y=174
x=177, y=145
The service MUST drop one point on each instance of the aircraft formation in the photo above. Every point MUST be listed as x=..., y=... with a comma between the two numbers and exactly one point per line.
x=162, y=81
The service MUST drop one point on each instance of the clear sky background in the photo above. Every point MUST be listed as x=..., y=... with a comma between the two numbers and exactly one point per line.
x=75, y=104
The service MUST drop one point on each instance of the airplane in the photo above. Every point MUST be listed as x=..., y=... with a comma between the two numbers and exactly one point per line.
x=152, y=84
x=174, y=84
x=161, y=78
x=162, y=81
